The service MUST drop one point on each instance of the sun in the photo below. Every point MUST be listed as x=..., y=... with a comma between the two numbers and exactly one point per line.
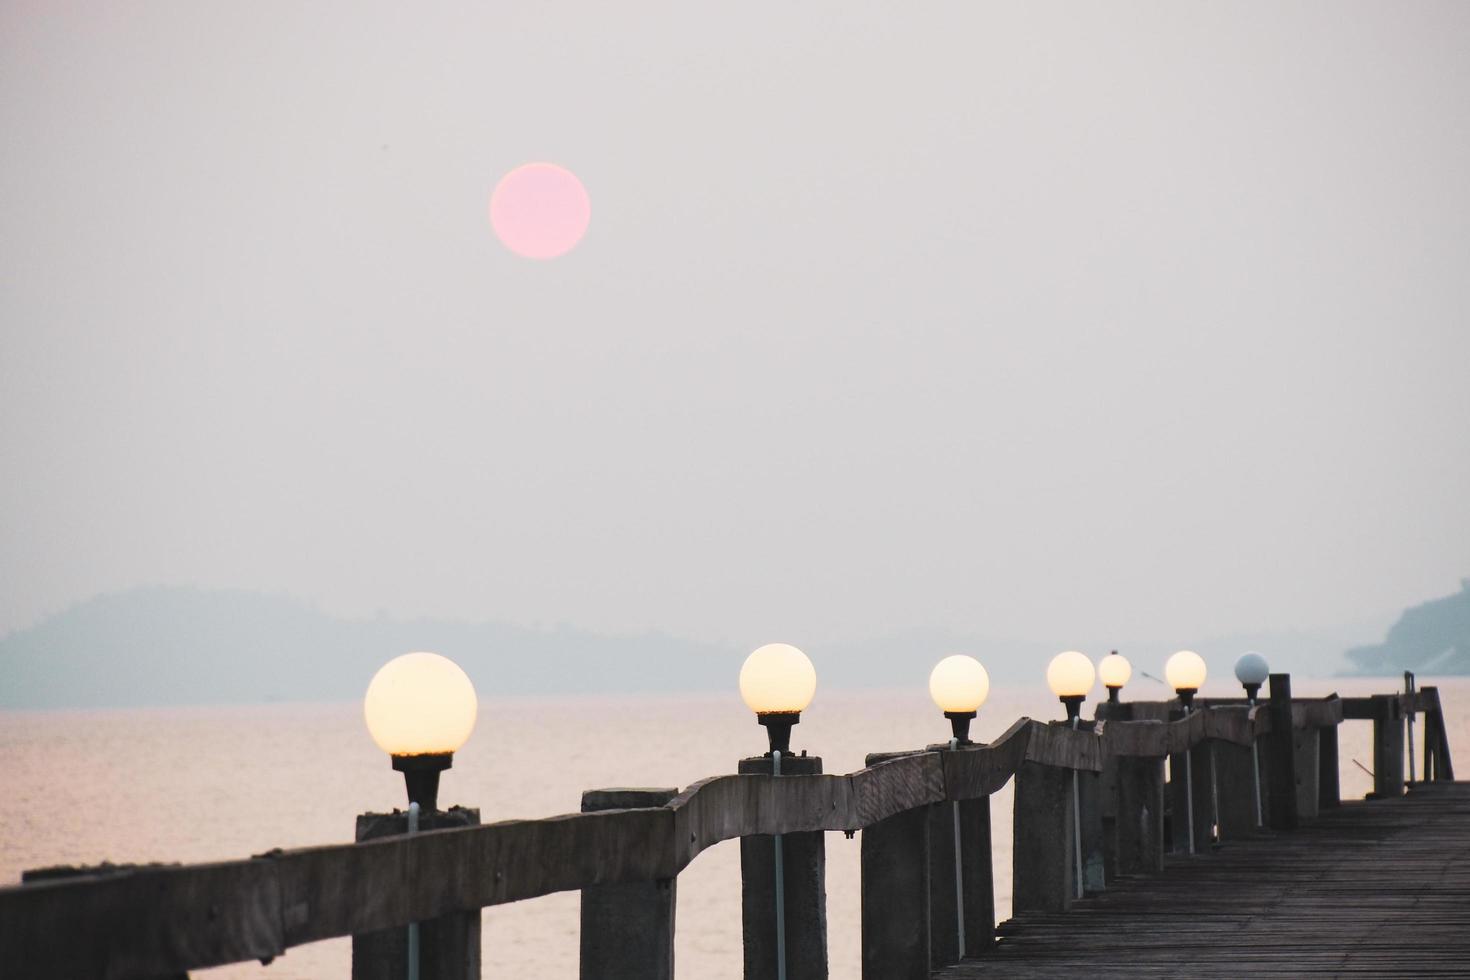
x=540, y=210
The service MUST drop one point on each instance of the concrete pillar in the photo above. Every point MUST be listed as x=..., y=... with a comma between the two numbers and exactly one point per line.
x=449, y=946
x=895, y=896
x=1388, y=746
x=628, y=929
x=1279, y=751
x=805, y=859
x=1140, y=816
x=976, y=881
x=1042, y=859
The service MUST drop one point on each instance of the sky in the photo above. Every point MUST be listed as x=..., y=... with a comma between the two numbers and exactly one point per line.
x=1029, y=320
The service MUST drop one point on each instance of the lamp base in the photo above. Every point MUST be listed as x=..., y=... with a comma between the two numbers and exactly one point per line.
x=1074, y=704
x=959, y=724
x=1113, y=693
x=421, y=776
x=1186, y=695
x=778, y=728
x=1252, y=691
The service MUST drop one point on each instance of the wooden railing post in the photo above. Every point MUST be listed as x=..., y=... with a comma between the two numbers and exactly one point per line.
x=1437, y=747
x=1234, y=772
x=1042, y=853
x=1306, y=744
x=1090, y=798
x=976, y=883
x=1278, y=752
x=1139, y=826
x=1329, y=791
x=449, y=946
x=1181, y=781
x=628, y=929
x=895, y=895
x=805, y=895
x=1388, y=746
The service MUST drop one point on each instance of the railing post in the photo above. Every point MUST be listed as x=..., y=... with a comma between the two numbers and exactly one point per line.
x=1235, y=772
x=976, y=884
x=805, y=895
x=1139, y=826
x=1388, y=746
x=628, y=929
x=895, y=895
x=1090, y=798
x=1329, y=791
x=1183, y=802
x=1444, y=769
x=1042, y=855
x=449, y=946
x=1279, y=756
x=1306, y=743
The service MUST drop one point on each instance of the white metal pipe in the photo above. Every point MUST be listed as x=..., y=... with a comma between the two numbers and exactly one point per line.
x=1189, y=788
x=1077, y=821
x=413, y=927
x=1256, y=772
x=1214, y=793
x=959, y=875
x=780, y=888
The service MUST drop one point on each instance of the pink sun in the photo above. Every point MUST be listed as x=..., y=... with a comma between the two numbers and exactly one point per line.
x=540, y=210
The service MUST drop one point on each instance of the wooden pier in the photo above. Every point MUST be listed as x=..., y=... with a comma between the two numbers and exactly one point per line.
x=1116, y=869
x=1374, y=889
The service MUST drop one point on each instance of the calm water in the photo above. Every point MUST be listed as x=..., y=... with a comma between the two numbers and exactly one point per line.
x=215, y=783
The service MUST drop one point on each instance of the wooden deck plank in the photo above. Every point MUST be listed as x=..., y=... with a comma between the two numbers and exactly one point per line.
x=1378, y=888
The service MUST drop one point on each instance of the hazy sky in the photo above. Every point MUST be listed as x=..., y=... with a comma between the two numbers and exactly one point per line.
x=1031, y=320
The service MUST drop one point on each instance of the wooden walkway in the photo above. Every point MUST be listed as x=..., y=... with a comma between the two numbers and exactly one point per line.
x=1378, y=888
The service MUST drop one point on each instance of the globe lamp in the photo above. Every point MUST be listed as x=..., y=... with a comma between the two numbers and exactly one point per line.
x=420, y=708
x=1070, y=676
x=777, y=682
x=1185, y=672
x=1114, y=671
x=959, y=685
x=1252, y=670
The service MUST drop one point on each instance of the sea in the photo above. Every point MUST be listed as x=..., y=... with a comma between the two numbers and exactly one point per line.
x=216, y=783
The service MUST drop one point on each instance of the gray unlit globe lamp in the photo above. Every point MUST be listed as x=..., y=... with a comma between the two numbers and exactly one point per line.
x=420, y=708
x=777, y=682
x=1252, y=670
x=1185, y=672
x=959, y=685
x=1114, y=671
x=1070, y=676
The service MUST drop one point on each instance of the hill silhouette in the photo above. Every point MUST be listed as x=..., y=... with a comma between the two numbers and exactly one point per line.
x=1430, y=638
x=175, y=645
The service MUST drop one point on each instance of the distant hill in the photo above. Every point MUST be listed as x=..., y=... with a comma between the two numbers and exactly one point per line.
x=186, y=646
x=175, y=646
x=1433, y=638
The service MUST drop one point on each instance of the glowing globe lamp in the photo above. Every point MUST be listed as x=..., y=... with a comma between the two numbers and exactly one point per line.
x=1185, y=672
x=1252, y=670
x=1070, y=676
x=959, y=685
x=420, y=708
x=777, y=682
x=1114, y=671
